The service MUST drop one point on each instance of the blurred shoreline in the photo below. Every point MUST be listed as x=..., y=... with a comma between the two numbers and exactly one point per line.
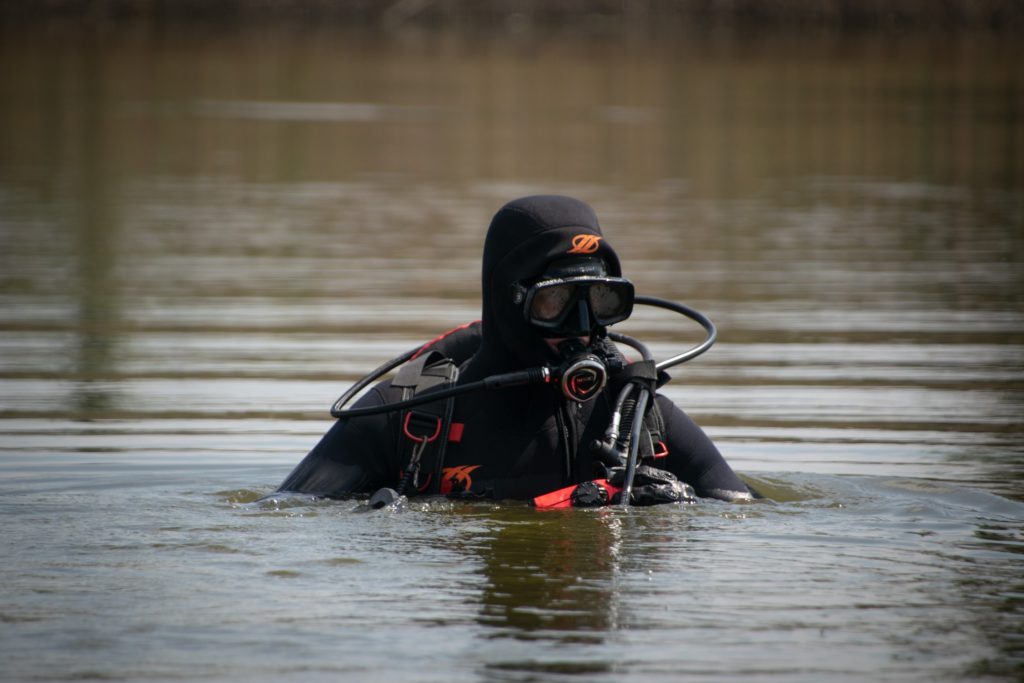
x=602, y=17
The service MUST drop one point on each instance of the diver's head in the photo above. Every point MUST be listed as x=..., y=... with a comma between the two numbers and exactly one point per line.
x=548, y=274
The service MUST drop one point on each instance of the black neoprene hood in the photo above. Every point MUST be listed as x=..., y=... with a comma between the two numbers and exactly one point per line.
x=524, y=237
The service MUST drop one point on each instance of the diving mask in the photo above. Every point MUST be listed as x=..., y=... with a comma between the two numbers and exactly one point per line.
x=571, y=299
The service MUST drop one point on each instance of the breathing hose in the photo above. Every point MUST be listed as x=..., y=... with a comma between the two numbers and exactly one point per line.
x=530, y=376
x=690, y=313
x=634, y=444
x=626, y=404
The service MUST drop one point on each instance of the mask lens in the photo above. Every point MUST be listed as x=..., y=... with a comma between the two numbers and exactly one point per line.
x=573, y=306
x=550, y=302
x=607, y=301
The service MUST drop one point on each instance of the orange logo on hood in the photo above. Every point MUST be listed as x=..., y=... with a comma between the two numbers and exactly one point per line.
x=585, y=244
x=457, y=475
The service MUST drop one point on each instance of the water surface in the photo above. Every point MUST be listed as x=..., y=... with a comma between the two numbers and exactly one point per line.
x=206, y=235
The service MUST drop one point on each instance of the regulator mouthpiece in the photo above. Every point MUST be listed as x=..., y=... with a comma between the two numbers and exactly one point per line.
x=583, y=375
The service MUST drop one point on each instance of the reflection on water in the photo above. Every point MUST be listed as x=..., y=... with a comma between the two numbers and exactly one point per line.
x=207, y=234
x=551, y=577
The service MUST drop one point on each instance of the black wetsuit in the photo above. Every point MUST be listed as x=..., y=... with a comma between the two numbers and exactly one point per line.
x=516, y=442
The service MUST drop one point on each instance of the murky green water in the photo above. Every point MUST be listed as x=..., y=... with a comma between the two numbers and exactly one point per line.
x=206, y=235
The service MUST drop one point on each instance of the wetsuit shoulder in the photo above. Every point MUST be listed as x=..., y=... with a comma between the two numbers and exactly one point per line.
x=353, y=456
x=695, y=459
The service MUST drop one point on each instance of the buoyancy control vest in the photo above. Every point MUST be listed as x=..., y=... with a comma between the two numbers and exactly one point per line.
x=427, y=429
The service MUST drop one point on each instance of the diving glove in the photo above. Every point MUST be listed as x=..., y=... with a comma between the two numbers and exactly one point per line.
x=653, y=486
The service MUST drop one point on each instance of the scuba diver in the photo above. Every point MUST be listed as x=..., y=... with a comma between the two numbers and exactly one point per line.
x=532, y=402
